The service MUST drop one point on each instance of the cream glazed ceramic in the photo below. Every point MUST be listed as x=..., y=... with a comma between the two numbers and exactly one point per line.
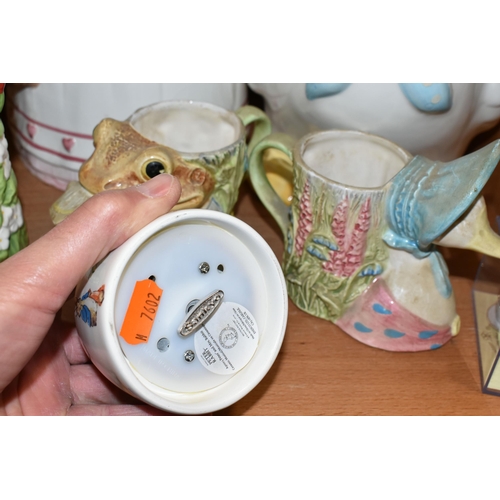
x=203, y=145
x=435, y=120
x=362, y=230
x=53, y=122
x=187, y=254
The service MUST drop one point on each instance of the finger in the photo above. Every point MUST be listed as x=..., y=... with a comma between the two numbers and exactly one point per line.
x=115, y=410
x=67, y=336
x=88, y=386
x=53, y=265
x=37, y=281
x=74, y=349
x=42, y=388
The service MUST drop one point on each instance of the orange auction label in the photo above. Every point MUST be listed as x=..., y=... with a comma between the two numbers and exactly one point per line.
x=141, y=312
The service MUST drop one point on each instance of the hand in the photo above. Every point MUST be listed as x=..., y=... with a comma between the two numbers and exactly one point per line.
x=43, y=368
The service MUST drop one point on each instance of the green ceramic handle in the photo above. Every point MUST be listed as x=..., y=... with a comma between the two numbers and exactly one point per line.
x=267, y=195
x=261, y=122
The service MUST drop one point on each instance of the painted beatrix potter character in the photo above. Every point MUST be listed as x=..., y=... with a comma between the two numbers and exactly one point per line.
x=87, y=304
x=363, y=228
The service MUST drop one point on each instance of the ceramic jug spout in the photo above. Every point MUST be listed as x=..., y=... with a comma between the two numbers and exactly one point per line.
x=474, y=232
x=487, y=242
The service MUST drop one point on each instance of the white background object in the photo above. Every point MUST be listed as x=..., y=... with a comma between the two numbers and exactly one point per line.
x=383, y=109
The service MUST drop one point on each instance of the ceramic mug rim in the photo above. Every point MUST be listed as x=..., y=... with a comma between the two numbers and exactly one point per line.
x=234, y=119
x=301, y=145
x=220, y=396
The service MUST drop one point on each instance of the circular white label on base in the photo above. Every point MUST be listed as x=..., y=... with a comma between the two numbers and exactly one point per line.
x=227, y=342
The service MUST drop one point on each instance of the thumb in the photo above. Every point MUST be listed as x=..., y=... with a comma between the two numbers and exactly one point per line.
x=37, y=281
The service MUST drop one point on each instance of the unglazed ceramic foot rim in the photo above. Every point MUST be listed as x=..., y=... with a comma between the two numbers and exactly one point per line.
x=271, y=319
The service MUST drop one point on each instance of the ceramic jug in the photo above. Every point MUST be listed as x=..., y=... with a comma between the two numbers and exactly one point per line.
x=203, y=145
x=436, y=120
x=362, y=229
x=13, y=235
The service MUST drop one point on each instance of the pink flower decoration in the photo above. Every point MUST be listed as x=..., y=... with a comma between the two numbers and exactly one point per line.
x=357, y=247
x=305, y=220
x=335, y=264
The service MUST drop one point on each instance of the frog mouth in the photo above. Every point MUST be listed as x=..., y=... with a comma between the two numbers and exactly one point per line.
x=193, y=201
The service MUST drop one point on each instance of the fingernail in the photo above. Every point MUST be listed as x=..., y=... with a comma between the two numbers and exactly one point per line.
x=156, y=187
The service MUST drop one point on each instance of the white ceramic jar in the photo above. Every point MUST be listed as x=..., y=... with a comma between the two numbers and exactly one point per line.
x=53, y=122
x=437, y=121
x=138, y=310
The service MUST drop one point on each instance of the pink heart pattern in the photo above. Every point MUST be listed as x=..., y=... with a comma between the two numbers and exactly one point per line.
x=32, y=129
x=68, y=143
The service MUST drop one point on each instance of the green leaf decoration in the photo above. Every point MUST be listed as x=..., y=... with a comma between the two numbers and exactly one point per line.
x=9, y=197
x=18, y=241
x=3, y=183
x=227, y=169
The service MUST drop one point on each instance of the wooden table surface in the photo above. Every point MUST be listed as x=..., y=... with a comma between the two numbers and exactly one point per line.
x=320, y=369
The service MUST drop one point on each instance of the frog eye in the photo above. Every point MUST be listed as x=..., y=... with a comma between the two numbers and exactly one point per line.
x=154, y=168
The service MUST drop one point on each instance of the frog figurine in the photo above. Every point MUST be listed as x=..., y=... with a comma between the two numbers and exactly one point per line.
x=123, y=158
x=13, y=234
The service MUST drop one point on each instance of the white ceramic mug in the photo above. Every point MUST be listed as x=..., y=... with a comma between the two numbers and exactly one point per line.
x=129, y=310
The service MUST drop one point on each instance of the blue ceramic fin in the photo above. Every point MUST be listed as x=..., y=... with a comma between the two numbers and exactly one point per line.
x=428, y=97
x=427, y=197
x=317, y=90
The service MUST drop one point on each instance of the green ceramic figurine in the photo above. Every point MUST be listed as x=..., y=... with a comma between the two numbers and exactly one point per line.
x=201, y=144
x=13, y=235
